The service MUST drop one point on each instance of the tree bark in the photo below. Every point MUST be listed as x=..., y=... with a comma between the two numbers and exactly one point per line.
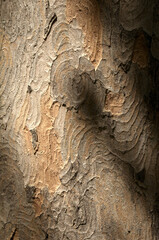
x=79, y=110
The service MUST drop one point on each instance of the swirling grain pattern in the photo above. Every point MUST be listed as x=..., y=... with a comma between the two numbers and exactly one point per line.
x=88, y=17
x=79, y=133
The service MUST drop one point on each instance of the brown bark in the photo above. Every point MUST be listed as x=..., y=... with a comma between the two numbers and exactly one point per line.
x=79, y=116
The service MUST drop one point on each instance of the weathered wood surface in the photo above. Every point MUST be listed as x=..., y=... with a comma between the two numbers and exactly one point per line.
x=79, y=119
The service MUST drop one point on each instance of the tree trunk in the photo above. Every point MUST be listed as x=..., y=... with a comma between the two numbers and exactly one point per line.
x=79, y=110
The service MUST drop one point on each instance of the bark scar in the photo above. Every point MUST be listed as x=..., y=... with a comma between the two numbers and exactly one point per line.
x=13, y=234
x=34, y=140
x=49, y=23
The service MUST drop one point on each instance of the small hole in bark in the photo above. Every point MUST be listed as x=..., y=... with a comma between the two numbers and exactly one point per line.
x=30, y=193
x=47, y=236
x=140, y=176
x=29, y=89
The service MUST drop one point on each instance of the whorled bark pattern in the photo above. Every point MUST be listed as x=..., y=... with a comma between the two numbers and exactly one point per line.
x=79, y=120
x=87, y=15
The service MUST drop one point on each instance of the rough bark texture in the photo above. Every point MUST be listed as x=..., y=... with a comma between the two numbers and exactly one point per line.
x=79, y=116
